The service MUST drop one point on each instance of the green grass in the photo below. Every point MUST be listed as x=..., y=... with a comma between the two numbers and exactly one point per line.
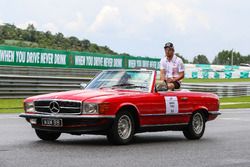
x=11, y=105
x=235, y=106
x=190, y=80
x=242, y=102
x=235, y=99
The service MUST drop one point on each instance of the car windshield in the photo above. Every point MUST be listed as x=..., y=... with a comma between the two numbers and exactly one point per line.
x=133, y=80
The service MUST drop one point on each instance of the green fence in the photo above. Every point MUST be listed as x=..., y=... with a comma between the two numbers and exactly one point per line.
x=17, y=56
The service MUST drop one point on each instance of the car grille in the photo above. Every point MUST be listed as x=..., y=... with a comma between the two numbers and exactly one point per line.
x=66, y=107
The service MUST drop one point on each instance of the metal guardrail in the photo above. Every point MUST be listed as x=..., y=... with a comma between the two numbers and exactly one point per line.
x=47, y=71
x=18, y=86
x=222, y=90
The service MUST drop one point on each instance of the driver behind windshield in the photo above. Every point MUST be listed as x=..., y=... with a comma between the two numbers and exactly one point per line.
x=124, y=79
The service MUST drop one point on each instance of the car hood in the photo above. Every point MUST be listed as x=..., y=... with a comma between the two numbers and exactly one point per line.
x=82, y=95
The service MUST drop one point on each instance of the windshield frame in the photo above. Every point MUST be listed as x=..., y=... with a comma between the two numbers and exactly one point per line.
x=150, y=87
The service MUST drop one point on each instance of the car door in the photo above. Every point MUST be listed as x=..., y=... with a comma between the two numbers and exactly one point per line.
x=163, y=108
x=177, y=107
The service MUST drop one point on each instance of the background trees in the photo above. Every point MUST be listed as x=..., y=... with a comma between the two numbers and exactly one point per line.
x=229, y=57
x=31, y=37
x=200, y=59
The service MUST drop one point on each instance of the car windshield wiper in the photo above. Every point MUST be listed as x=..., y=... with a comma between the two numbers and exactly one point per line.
x=122, y=85
x=104, y=87
x=137, y=86
x=127, y=85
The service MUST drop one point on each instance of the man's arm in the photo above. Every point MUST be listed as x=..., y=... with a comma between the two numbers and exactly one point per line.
x=181, y=70
x=162, y=74
x=162, y=70
x=181, y=76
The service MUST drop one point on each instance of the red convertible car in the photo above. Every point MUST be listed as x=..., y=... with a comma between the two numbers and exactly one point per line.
x=120, y=103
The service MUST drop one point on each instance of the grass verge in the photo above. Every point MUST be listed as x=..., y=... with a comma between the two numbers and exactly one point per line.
x=11, y=105
x=235, y=102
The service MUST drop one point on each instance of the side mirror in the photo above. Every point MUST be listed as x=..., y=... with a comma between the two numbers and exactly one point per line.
x=83, y=85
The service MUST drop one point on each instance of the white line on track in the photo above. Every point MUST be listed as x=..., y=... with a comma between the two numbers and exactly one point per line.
x=235, y=119
x=3, y=116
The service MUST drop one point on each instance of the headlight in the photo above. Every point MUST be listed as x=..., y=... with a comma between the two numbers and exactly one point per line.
x=90, y=108
x=29, y=107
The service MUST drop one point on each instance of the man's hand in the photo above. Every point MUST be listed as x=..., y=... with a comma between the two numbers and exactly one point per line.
x=170, y=80
x=162, y=86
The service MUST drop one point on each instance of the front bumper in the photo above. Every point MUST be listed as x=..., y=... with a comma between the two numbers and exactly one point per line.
x=213, y=114
x=74, y=124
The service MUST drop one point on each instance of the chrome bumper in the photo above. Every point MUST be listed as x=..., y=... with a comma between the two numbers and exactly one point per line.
x=26, y=115
x=214, y=112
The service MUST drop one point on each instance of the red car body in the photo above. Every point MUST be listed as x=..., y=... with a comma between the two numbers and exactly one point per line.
x=150, y=110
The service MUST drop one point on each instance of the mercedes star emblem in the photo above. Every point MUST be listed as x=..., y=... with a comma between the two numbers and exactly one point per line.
x=54, y=107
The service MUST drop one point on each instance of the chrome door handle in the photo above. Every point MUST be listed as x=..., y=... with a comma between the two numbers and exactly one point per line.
x=184, y=98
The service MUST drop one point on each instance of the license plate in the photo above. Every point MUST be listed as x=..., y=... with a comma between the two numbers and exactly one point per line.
x=52, y=122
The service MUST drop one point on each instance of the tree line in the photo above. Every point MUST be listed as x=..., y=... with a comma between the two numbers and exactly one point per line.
x=224, y=57
x=31, y=37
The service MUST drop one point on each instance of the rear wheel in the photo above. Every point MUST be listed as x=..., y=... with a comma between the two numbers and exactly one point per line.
x=196, y=126
x=48, y=136
x=122, y=130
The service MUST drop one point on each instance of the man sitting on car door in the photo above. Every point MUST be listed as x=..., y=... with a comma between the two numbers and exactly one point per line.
x=171, y=68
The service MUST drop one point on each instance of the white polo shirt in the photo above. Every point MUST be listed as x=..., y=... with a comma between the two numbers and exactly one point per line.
x=172, y=67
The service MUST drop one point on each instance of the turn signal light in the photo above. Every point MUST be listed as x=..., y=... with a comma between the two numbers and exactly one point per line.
x=103, y=108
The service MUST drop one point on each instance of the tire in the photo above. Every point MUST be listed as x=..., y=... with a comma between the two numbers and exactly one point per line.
x=196, y=126
x=122, y=130
x=46, y=135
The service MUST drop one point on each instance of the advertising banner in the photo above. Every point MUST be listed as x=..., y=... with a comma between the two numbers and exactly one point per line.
x=18, y=56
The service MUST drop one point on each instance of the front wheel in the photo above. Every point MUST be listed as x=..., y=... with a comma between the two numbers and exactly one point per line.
x=122, y=130
x=46, y=135
x=196, y=127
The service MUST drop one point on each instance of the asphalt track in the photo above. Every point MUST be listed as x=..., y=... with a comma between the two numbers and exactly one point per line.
x=226, y=142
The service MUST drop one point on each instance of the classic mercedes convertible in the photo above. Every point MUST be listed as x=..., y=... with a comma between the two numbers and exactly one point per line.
x=118, y=104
